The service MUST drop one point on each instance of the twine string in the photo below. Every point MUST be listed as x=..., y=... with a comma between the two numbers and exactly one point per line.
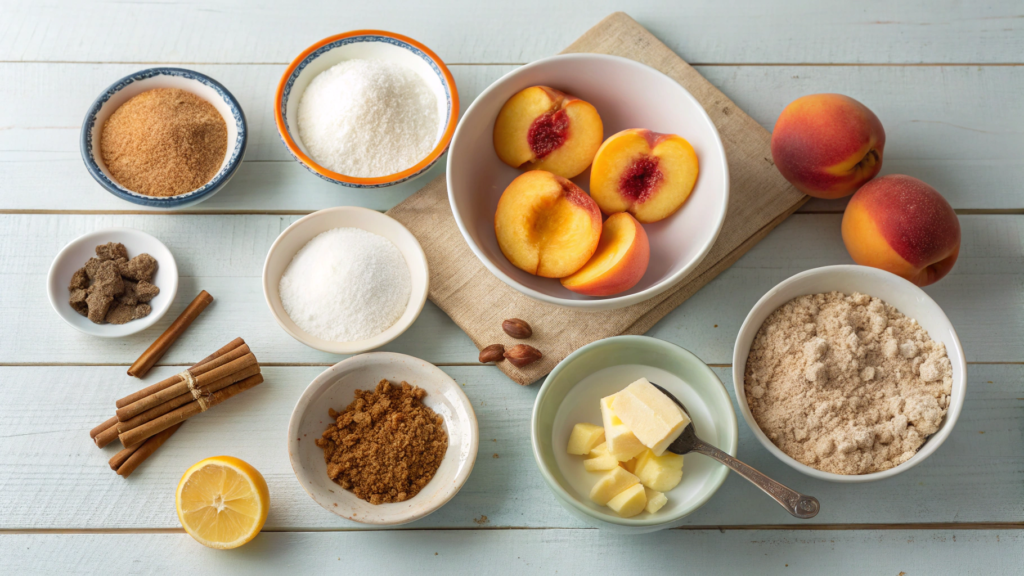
x=196, y=391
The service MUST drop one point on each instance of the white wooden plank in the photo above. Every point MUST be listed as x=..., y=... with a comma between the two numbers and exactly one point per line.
x=498, y=552
x=469, y=31
x=984, y=295
x=53, y=477
x=958, y=128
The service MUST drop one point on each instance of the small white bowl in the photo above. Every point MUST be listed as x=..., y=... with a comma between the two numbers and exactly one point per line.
x=134, y=84
x=368, y=45
x=627, y=94
x=905, y=297
x=74, y=255
x=305, y=229
x=335, y=388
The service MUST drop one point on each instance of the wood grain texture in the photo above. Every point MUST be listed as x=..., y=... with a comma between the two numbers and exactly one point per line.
x=983, y=296
x=958, y=128
x=467, y=31
x=500, y=552
x=985, y=449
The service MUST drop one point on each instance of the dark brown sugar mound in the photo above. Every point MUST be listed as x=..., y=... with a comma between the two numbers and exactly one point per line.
x=386, y=445
x=164, y=142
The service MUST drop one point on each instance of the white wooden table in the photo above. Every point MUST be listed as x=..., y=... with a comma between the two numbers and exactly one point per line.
x=946, y=79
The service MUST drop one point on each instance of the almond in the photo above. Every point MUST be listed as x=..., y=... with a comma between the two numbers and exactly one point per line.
x=522, y=355
x=492, y=353
x=517, y=328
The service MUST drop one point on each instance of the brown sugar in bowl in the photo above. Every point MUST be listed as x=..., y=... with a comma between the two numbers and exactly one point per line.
x=335, y=389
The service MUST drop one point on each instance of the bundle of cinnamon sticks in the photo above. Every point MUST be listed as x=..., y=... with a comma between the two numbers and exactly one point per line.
x=147, y=418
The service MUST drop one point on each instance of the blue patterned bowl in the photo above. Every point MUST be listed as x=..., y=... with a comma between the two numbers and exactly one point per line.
x=372, y=45
x=199, y=84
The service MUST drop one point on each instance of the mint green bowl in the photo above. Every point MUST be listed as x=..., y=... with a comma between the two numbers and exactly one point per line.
x=571, y=394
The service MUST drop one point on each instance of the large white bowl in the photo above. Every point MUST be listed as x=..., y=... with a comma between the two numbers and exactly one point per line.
x=627, y=94
x=906, y=297
x=305, y=229
x=73, y=256
x=335, y=388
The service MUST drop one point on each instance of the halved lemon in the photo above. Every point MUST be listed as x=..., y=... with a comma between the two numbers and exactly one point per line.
x=222, y=502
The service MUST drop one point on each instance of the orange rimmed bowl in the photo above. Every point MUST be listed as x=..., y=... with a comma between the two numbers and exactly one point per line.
x=368, y=45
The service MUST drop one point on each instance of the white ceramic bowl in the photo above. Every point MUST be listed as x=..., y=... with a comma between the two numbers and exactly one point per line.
x=627, y=94
x=572, y=394
x=335, y=388
x=906, y=297
x=305, y=229
x=368, y=45
x=134, y=84
x=74, y=255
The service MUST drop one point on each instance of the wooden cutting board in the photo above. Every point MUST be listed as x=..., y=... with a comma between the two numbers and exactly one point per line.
x=478, y=302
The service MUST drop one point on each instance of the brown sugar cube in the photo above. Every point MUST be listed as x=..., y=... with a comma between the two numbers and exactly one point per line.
x=99, y=304
x=107, y=280
x=111, y=251
x=79, y=280
x=78, y=298
x=92, y=266
x=121, y=313
x=145, y=291
x=140, y=268
x=129, y=297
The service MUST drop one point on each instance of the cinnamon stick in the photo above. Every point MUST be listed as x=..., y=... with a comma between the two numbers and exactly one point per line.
x=166, y=407
x=139, y=434
x=228, y=351
x=143, y=451
x=180, y=388
x=107, y=424
x=107, y=436
x=156, y=351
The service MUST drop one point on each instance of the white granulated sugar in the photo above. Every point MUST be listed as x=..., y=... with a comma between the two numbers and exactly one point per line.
x=346, y=284
x=368, y=118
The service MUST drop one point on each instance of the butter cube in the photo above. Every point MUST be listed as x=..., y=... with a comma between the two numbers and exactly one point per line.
x=629, y=465
x=599, y=450
x=584, y=437
x=661, y=473
x=611, y=484
x=655, y=500
x=622, y=443
x=651, y=415
x=629, y=502
x=600, y=463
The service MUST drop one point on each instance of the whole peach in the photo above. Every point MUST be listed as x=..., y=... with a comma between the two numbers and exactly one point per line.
x=828, y=145
x=900, y=224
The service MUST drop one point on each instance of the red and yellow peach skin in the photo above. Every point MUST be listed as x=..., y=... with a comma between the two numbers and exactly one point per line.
x=828, y=145
x=900, y=224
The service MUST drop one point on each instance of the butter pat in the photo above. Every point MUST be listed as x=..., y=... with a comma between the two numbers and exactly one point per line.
x=600, y=463
x=623, y=444
x=629, y=502
x=655, y=500
x=661, y=473
x=654, y=419
x=611, y=484
x=584, y=437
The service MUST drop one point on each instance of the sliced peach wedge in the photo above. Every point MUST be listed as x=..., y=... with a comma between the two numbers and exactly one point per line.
x=620, y=260
x=647, y=174
x=546, y=225
x=541, y=128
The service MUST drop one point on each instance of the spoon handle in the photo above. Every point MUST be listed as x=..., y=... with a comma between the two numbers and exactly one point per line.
x=797, y=504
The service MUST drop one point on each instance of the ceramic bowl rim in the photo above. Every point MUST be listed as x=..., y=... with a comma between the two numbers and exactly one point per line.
x=321, y=380
x=417, y=300
x=718, y=476
x=604, y=303
x=136, y=326
x=292, y=72
x=88, y=151
x=926, y=450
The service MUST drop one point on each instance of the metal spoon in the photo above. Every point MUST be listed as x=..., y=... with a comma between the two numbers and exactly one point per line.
x=797, y=504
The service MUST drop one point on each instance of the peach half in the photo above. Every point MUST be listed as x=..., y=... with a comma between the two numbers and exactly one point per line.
x=541, y=128
x=620, y=260
x=827, y=145
x=900, y=224
x=647, y=174
x=546, y=225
